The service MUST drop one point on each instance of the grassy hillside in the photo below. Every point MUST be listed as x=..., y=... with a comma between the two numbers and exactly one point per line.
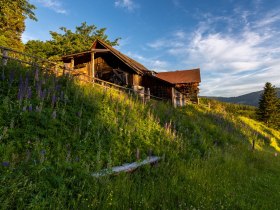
x=251, y=99
x=54, y=133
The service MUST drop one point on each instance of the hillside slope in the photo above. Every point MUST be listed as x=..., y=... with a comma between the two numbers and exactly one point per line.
x=55, y=132
x=251, y=99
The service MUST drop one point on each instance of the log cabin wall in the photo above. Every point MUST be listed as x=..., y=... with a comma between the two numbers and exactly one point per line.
x=157, y=87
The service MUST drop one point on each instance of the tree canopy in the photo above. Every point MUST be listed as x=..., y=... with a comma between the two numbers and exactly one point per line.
x=13, y=14
x=269, y=106
x=67, y=42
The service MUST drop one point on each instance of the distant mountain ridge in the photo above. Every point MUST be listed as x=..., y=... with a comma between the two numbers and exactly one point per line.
x=247, y=99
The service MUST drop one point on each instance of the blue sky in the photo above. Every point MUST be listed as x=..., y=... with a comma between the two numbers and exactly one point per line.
x=236, y=43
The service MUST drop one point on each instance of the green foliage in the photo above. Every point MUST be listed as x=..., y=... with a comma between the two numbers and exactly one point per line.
x=68, y=42
x=55, y=132
x=268, y=110
x=12, y=21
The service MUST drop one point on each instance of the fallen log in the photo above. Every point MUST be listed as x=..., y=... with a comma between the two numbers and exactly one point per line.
x=127, y=167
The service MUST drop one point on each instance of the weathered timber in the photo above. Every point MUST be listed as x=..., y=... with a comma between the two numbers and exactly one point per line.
x=128, y=167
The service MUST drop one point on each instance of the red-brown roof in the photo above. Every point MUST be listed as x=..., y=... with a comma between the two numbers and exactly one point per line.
x=182, y=76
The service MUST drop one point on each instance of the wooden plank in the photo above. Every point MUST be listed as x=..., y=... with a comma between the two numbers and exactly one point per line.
x=127, y=167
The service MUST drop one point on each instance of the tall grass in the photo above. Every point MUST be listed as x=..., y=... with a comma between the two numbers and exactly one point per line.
x=55, y=132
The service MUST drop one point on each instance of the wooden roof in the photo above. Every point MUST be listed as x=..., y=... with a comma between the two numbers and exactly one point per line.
x=136, y=66
x=180, y=77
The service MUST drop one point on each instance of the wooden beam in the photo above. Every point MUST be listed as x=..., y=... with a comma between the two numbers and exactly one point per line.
x=92, y=65
x=72, y=63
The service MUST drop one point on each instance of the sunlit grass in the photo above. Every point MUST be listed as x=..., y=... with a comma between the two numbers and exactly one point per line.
x=51, y=142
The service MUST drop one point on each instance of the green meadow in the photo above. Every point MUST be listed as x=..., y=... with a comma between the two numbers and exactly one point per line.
x=56, y=132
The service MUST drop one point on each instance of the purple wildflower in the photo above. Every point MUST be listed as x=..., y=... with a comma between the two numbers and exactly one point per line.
x=53, y=100
x=37, y=74
x=38, y=88
x=5, y=164
x=29, y=93
x=43, y=94
x=30, y=108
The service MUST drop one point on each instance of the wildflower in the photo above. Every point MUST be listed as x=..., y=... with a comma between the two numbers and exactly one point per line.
x=30, y=108
x=5, y=164
x=54, y=114
x=43, y=94
x=37, y=74
x=53, y=100
x=29, y=93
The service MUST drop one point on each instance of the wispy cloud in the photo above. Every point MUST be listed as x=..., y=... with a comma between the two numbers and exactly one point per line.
x=54, y=5
x=129, y=5
x=236, y=54
x=153, y=63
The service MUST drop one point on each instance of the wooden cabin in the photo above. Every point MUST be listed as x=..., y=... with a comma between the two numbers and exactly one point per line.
x=106, y=63
x=185, y=82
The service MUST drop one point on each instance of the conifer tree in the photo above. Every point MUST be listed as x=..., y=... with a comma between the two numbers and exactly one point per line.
x=268, y=110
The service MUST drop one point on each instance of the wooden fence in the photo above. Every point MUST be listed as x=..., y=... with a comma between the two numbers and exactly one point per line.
x=46, y=65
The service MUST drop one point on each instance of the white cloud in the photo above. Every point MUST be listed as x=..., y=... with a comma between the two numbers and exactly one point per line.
x=54, y=5
x=150, y=63
x=235, y=58
x=130, y=5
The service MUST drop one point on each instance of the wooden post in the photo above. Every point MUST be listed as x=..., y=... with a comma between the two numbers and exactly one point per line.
x=92, y=66
x=5, y=59
x=148, y=96
x=173, y=97
x=72, y=63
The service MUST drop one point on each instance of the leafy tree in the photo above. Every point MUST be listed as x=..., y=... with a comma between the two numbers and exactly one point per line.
x=13, y=14
x=268, y=110
x=68, y=42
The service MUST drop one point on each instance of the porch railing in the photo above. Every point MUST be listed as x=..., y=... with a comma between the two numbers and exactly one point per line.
x=23, y=58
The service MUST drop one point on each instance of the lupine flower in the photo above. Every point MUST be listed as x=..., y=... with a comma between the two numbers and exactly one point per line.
x=38, y=88
x=29, y=93
x=5, y=164
x=37, y=74
x=43, y=94
x=54, y=114
x=53, y=100
x=30, y=108
x=26, y=81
